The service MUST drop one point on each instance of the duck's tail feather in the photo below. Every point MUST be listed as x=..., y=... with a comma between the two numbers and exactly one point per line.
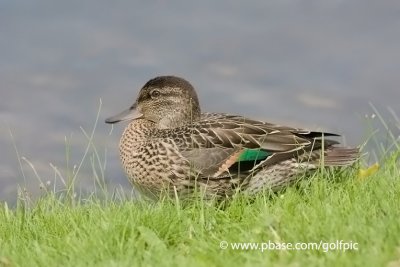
x=340, y=156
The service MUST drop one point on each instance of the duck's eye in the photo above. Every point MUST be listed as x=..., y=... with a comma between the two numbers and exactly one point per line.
x=155, y=94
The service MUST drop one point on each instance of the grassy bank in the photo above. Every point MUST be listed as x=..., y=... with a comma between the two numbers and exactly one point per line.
x=328, y=208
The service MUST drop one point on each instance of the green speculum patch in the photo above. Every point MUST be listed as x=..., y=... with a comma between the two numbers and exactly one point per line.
x=253, y=155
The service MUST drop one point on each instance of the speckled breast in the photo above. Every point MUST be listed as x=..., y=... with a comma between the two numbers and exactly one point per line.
x=151, y=164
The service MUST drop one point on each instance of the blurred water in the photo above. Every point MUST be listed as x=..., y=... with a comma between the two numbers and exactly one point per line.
x=315, y=64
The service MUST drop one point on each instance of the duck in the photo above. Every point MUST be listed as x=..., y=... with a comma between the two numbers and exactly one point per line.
x=170, y=147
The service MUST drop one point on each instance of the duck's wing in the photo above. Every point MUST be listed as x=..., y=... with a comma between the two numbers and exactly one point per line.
x=226, y=130
x=218, y=143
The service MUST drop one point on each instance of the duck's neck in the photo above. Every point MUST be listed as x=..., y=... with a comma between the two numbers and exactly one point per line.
x=177, y=120
x=139, y=129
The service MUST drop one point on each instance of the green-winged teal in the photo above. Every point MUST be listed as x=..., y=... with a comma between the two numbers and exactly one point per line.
x=170, y=145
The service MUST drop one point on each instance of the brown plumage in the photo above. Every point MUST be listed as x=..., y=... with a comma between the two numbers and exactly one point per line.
x=170, y=145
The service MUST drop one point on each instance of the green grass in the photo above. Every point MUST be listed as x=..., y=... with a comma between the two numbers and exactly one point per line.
x=56, y=232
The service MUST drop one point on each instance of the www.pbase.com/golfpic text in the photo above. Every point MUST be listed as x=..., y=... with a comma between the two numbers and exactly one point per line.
x=338, y=245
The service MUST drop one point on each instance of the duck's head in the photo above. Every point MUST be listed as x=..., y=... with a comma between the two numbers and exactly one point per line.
x=168, y=101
